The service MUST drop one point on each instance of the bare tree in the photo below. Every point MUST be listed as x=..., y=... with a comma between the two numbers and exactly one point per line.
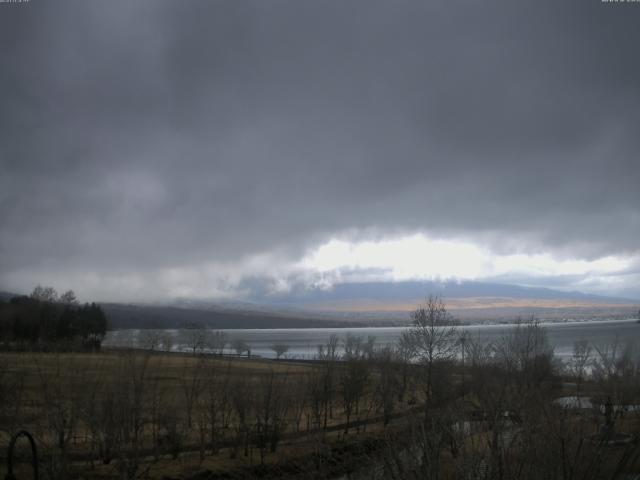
x=195, y=339
x=217, y=403
x=44, y=294
x=329, y=351
x=298, y=392
x=279, y=349
x=369, y=347
x=433, y=338
x=243, y=406
x=616, y=368
x=354, y=374
x=526, y=352
x=191, y=383
x=158, y=397
x=217, y=341
x=69, y=298
x=58, y=388
x=353, y=381
x=579, y=362
x=317, y=398
x=172, y=432
x=100, y=416
x=328, y=355
x=405, y=353
x=387, y=382
x=240, y=346
x=166, y=342
x=353, y=347
x=130, y=401
x=11, y=395
x=151, y=340
x=463, y=338
x=271, y=407
x=417, y=453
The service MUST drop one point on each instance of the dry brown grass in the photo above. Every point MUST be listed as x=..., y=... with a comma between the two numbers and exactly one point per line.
x=72, y=378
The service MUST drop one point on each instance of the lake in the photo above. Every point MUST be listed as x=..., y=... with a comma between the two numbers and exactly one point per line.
x=303, y=342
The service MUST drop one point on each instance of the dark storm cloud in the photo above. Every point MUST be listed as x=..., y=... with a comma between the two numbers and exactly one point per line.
x=154, y=134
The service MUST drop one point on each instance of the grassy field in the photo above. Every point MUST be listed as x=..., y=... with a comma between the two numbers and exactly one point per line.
x=188, y=412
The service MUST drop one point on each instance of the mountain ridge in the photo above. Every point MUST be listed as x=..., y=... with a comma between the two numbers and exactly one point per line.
x=364, y=303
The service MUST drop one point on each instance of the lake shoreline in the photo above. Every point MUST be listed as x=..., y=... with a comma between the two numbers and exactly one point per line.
x=303, y=343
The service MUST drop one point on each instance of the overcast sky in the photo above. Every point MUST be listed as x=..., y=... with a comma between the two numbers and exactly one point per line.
x=151, y=149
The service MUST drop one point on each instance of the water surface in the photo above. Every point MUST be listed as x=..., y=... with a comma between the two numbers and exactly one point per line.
x=303, y=342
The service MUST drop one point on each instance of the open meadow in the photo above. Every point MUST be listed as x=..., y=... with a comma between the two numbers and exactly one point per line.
x=120, y=413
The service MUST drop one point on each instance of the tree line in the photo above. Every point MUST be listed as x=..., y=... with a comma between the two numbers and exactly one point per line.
x=45, y=319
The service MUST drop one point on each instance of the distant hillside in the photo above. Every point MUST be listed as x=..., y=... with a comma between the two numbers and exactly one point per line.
x=122, y=316
x=6, y=296
x=151, y=316
x=473, y=301
x=414, y=290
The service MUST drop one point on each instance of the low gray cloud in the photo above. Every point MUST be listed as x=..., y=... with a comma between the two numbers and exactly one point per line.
x=156, y=135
